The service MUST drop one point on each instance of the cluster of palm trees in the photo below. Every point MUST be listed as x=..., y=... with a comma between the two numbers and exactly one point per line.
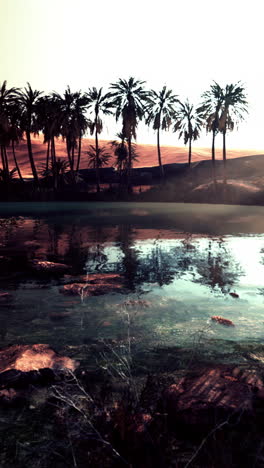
x=24, y=112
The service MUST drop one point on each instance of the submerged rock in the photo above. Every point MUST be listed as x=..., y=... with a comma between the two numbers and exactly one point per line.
x=60, y=315
x=87, y=289
x=32, y=244
x=44, y=266
x=104, y=278
x=136, y=303
x=222, y=321
x=234, y=295
x=4, y=295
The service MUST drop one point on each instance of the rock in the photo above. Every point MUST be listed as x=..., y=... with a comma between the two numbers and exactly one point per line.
x=11, y=397
x=212, y=395
x=4, y=295
x=75, y=289
x=44, y=266
x=4, y=259
x=94, y=278
x=60, y=315
x=18, y=379
x=136, y=303
x=222, y=321
x=233, y=294
x=33, y=244
x=104, y=278
x=20, y=362
x=87, y=289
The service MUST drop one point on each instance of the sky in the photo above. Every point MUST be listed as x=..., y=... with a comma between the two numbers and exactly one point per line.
x=184, y=45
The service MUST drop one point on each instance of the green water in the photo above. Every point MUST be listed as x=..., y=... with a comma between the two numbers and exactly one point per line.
x=184, y=260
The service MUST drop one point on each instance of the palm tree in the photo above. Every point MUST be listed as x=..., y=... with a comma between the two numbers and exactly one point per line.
x=73, y=123
x=98, y=157
x=160, y=111
x=49, y=117
x=81, y=105
x=58, y=170
x=27, y=100
x=7, y=97
x=188, y=123
x=129, y=98
x=99, y=103
x=15, y=131
x=234, y=106
x=120, y=148
x=210, y=110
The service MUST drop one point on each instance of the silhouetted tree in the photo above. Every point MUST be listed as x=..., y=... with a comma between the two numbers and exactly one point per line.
x=58, y=171
x=188, y=123
x=27, y=100
x=98, y=157
x=98, y=103
x=15, y=131
x=7, y=97
x=120, y=148
x=49, y=120
x=129, y=98
x=160, y=111
x=210, y=110
x=234, y=107
x=73, y=123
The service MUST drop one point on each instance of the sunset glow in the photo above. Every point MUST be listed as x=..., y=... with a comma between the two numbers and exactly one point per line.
x=55, y=43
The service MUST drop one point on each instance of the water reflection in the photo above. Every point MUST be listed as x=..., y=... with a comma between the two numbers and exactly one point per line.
x=185, y=278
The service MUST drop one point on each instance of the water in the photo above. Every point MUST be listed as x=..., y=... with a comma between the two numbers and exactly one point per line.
x=178, y=262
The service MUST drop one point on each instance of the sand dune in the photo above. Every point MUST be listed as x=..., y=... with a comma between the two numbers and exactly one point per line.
x=147, y=154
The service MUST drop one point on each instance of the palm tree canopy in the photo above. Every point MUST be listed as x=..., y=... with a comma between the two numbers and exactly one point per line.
x=49, y=116
x=7, y=99
x=129, y=97
x=188, y=121
x=234, y=106
x=120, y=148
x=73, y=122
x=98, y=103
x=160, y=108
x=58, y=167
x=101, y=158
x=211, y=105
x=27, y=100
x=6, y=95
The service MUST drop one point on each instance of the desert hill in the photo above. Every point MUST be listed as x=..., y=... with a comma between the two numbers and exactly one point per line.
x=147, y=154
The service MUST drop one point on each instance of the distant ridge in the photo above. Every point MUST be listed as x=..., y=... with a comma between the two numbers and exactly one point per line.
x=147, y=154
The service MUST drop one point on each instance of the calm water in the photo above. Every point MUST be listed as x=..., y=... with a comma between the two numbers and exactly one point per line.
x=183, y=260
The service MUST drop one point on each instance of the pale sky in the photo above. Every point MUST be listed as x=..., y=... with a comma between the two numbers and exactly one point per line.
x=183, y=44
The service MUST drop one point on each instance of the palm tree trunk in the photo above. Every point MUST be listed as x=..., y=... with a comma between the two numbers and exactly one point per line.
x=53, y=162
x=31, y=159
x=213, y=158
x=224, y=154
x=16, y=163
x=53, y=152
x=79, y=153
x=3, y=158
x=47, y=157
x=6, y=159
x=190, y=152
x=159, y=155
x=72, y=157
x=70, y=160
x=97, y=161
x=129, y=186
